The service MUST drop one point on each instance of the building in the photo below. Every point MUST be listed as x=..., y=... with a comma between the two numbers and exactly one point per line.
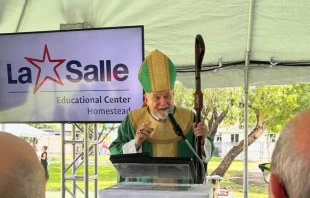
x=227, y=138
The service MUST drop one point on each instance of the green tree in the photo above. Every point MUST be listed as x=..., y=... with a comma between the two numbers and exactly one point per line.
x=270, y=107
x=302, y=91
x=218, y=104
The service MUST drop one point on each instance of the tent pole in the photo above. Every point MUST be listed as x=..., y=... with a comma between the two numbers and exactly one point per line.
x=86, y=163
x=23, y=14
x=246, y=96
x=63, y=161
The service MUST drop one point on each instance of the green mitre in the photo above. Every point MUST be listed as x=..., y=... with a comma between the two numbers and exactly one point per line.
x=157, y=73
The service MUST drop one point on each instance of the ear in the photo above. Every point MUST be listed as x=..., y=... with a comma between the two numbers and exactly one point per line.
x=144, y=101
x=276, y=189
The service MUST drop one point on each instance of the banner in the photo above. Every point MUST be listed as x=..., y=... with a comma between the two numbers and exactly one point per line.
x=71, y=76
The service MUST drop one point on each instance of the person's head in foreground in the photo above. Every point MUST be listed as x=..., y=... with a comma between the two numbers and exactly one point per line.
x=290, y=163
x=157, y=75
x=21, y=173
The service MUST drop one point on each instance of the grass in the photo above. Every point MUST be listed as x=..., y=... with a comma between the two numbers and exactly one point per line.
x=251, y=195
x=107, y=176
x=238, y=189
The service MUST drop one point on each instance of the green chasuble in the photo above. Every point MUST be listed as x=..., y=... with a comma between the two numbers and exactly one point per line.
x=162, y=142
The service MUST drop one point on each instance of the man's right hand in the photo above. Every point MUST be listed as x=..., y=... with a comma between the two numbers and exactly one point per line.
x=142, y=133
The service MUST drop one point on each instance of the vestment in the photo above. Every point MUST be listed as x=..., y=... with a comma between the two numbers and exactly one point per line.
x=162, y=142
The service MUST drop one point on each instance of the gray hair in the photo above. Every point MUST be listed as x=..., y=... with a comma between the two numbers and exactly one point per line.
x=290, y=166
x=23, y=180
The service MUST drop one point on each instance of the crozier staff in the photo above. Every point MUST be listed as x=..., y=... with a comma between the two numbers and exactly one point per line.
x=198, y=99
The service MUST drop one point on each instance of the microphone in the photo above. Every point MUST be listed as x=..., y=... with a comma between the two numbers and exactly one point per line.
x=177, y=129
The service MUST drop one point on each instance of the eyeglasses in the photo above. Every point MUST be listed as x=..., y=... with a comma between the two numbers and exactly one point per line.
x=266, y=167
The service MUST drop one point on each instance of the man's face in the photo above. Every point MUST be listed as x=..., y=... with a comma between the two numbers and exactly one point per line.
x=159, y=102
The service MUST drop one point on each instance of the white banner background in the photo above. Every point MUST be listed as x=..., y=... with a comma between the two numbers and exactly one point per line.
x=18, y=101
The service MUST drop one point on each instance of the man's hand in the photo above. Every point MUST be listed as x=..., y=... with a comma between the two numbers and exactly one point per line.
x=142, y=133
x=200, y=129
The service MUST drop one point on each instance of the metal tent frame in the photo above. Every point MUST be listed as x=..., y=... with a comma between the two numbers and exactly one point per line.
x=75, y=158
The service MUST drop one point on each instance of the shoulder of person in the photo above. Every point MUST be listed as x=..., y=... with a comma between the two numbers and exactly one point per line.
x=137, y=114
x=138, y=110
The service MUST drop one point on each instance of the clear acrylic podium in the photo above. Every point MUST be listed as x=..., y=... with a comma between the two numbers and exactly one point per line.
x=155, y=176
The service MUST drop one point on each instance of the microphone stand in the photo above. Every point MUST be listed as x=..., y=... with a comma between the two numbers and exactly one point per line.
x=180, y=133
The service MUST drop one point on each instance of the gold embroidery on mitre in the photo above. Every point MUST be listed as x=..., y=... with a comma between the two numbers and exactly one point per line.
x=163, y=138
x=159, y=71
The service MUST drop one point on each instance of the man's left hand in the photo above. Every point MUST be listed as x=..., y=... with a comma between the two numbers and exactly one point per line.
x=200, y=129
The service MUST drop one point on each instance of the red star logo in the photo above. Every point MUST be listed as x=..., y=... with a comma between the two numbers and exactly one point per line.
x=45, y=66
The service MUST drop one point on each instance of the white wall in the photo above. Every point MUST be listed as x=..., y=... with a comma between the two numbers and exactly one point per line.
x=259, y=150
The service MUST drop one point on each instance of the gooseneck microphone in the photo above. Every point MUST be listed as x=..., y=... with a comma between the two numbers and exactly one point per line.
x=177, y=129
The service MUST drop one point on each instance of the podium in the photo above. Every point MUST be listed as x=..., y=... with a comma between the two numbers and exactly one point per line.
x=155, y=176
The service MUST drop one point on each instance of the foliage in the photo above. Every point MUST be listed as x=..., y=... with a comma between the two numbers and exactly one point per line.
x=218, y=103
x=275, y=104
x=183, y=97
x=302, y=91
x=270, y=107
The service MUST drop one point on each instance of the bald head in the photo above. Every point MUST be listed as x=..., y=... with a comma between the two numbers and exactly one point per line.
x=290, y=164
x=301, y=133
x=21, y=174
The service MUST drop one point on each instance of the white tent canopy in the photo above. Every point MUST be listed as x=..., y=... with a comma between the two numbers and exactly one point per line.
x=22, y=130
x=280, y=30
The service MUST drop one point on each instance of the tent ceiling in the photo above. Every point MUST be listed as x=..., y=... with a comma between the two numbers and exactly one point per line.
x=281, y=28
